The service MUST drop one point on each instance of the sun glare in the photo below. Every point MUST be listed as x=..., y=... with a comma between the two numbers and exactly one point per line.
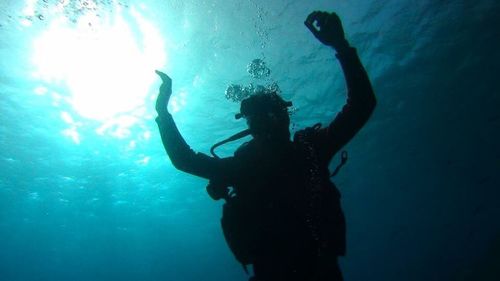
x=106, y=64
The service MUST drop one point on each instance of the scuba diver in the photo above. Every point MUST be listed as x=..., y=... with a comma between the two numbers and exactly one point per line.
x=282, y=212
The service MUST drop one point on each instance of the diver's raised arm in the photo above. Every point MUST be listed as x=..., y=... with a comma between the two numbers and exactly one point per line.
x=327, y=28
x=179, y=152
x=176, y=147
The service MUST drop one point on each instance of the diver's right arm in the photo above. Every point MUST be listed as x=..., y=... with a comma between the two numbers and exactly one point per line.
x=179, y=152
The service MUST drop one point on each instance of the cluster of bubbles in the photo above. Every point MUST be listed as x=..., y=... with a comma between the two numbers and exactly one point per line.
x=237, y=93
x=258, y=69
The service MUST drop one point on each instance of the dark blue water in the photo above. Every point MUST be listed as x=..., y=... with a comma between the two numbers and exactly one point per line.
x=87, y=192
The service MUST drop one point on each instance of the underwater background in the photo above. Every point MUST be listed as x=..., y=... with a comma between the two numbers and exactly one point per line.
x=86, y=189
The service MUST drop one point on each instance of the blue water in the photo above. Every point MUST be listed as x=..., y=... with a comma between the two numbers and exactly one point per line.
x=87, y=192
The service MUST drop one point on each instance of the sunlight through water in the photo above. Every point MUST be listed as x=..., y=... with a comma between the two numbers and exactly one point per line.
x=105, y=62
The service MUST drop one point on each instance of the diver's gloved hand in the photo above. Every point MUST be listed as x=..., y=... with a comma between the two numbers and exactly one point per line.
x=165, y=93
x=327, y=27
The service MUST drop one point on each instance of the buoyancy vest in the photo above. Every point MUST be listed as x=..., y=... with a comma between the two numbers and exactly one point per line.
x=256, y=216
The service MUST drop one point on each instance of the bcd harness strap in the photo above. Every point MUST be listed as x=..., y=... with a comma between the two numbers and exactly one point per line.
x=343, y=160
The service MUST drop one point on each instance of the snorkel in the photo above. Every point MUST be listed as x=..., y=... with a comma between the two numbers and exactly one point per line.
x=260, y=110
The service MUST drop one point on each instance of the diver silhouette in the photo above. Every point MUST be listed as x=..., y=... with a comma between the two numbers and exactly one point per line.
x=282, y=212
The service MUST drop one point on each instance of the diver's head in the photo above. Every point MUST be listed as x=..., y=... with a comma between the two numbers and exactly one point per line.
x=266, y=115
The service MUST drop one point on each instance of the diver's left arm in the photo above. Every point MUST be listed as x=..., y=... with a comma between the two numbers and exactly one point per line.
x=360, y=96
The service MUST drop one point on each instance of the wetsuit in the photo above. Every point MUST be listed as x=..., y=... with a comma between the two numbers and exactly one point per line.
x=293, y=238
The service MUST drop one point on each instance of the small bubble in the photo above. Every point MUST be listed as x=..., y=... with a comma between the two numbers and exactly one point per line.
x=41, y=17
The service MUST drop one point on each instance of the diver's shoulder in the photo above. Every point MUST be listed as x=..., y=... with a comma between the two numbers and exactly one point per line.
x=307, y=134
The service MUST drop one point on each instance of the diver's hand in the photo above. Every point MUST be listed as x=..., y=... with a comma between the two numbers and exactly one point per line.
x=165, y=93
x=327, y=27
